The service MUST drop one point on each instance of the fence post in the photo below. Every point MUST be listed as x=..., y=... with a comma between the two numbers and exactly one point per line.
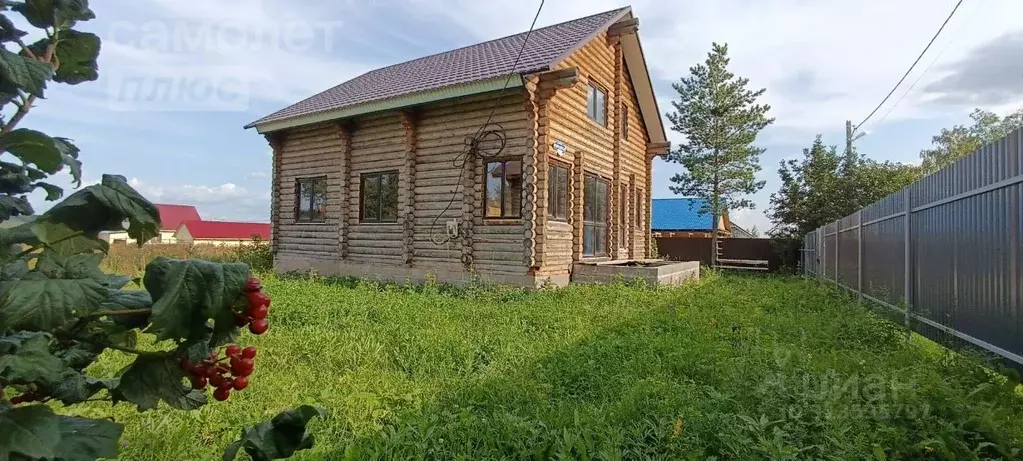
x=859, y=256
x=907, y=294
x=838, y=229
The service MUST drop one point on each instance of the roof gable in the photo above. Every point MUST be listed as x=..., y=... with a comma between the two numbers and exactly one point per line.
x=496, y=58
x=171, y=216
x=225, y=230
x=679, y=214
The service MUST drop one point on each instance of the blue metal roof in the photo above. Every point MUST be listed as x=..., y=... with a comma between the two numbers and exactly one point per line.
x=679, y=214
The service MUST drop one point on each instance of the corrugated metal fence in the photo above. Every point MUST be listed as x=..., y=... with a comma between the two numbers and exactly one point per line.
x=948, y=246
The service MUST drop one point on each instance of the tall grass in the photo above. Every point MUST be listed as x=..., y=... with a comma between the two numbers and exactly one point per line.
x=732, y=368
x=131, y=260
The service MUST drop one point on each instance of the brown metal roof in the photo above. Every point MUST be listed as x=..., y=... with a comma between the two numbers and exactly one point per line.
x=487, y=60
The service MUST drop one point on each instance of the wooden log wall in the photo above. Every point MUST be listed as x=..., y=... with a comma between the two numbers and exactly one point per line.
x=378, y=145
x=305, y=153
x=600, y=150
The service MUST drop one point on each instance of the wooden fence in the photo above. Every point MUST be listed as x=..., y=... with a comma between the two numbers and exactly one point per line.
x=780, y=254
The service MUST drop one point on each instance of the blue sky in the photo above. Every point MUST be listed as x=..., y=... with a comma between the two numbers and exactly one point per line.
x=179, y=82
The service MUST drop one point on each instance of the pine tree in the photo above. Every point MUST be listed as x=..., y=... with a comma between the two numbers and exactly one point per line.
x=720, y=121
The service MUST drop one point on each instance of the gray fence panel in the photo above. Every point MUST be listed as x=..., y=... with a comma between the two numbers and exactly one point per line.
x=965, y=247
x=883, y=262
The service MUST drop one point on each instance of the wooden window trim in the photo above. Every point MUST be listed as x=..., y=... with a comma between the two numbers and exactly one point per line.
x=592, y=116
x=379, y=175
x=298, y=200
x=504, y=218
x=601, y=223
x=553, y=164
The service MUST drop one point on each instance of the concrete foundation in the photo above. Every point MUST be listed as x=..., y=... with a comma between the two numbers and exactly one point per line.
x=653, y=271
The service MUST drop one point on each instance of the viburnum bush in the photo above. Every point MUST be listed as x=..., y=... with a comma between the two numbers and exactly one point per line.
x=59, y=311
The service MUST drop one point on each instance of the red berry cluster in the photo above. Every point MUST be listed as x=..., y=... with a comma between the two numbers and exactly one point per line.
x=223, y=373
x=257, y=310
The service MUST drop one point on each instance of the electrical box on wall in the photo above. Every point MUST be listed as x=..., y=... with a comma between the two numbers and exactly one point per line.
x=452, y=228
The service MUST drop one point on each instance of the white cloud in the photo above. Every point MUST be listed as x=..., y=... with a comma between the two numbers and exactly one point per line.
x=822, y=62
x=228, y=200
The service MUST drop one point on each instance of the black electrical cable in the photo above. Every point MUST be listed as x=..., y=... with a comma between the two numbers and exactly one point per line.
x=911, y=66
x=488, y=141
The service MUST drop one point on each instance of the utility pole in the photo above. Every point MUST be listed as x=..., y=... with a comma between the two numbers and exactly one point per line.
x=848, y=136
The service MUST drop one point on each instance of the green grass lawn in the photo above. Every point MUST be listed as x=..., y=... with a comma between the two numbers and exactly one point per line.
x=734, y=367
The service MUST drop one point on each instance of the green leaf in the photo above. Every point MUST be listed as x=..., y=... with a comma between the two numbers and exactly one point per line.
x=14, y=270
x=69, y=155
x=33, y=146
x=76, y=387
x=53, y=192
x=25, y=73
x=8, y=32
x=32, y=431
x=84, y=439
x=115, y=281
x=66, y=241
x=278, y=438
x=187, y=293
x=129, y=300
x=18, y=235
x=11, y=206
x=151, y=379
x=32, y=362
x=77, y=53
x=106, y=206
x=45, y=304
x=54, y=13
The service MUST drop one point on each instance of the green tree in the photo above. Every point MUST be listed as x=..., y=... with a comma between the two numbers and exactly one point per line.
x=824, y=186
x=720, y=120
x=959, y=141
x=59, y=312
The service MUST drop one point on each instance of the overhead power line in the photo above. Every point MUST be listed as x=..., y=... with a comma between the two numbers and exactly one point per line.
x=933, y=61
x=936, y=34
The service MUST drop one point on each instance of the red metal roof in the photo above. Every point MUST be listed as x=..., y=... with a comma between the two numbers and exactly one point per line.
x=171, y=216
x=227, y=230
x=474, y=63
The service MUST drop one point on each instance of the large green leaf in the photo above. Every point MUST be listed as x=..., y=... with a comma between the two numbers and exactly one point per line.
x=84, y=439
x=77, y=52
x=278, y=438
x=32, y=431
x=32, y=362
x=151, y=379
x=28, y=74
x=54, y=13
x=66, y=241
x=106, y=206
x=33, y=146
x=187, y=293
x=44, y=304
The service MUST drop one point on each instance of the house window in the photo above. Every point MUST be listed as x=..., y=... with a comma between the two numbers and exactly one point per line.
x=312, y=199
x=503, y=193
x=379, y=196
x=557, y=193
x=595, y=216
x=625, y=121
x=596, y=104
